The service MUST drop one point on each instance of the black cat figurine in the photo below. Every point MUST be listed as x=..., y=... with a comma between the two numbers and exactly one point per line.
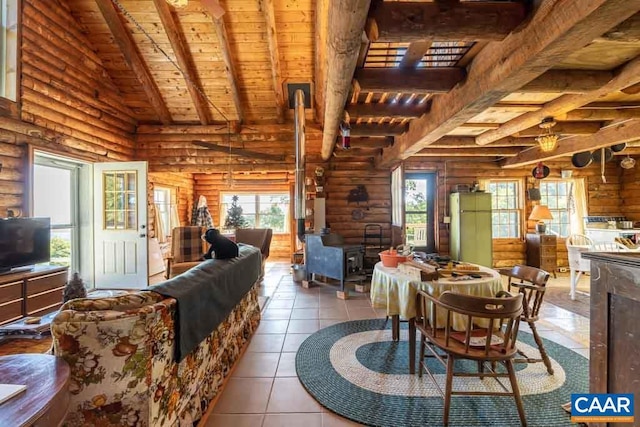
x=221, y=247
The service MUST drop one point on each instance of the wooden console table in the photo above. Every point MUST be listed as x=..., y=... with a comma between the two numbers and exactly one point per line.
x=45, y=402
x=614, y=366
x=31, y=293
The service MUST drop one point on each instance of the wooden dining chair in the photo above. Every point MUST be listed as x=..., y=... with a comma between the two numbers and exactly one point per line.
x=497, y=318
x=531, y=282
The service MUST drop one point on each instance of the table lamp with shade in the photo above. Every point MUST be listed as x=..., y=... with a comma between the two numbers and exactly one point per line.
x=539, y=214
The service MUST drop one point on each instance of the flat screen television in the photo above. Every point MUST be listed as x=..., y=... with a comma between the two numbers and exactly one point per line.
x=24, y=241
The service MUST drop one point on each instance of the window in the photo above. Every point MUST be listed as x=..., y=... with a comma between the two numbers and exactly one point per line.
x=9, y=49
x=260, y=210
x=505, y=209
x=164, y=199
x=55, y=195
x=555, y=194
x=120, y=207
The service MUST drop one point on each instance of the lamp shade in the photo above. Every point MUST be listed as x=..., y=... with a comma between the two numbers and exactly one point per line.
x=540, y=212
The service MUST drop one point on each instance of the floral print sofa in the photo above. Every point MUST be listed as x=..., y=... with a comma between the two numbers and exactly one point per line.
x=121, y=353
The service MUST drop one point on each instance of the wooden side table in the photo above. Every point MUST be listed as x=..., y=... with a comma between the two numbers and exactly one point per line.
x=542, y=252
x=45, y=402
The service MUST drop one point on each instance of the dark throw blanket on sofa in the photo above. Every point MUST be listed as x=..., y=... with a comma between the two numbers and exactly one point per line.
x=207, y=293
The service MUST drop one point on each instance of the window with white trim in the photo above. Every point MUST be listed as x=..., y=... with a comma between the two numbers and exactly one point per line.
x=505, y=209
x=9, y=49
x=259, y=210
x=555, y=195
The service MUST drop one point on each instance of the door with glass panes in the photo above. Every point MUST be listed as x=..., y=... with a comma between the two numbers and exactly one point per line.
x=419, y=211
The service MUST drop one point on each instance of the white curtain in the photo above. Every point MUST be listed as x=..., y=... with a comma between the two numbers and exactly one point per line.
x=397, y=197
x=577, y=204
x=161, y=227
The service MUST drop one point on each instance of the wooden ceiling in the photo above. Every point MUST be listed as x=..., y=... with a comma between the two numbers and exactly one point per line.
x=442, y=78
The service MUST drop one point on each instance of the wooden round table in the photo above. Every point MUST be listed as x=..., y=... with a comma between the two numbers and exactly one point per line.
x=46, y=400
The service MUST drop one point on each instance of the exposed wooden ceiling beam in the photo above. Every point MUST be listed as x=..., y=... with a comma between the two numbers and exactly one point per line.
x=614, y=134
x=347, y=18
x=184, y=60
x=470, y=142
x=320, y=63
x=356, y=152
x=230, y=71
x=368, y=142
x=397, y=110
x=469, y=152
x=377, y=130
x=423, y=80
x=410, y=21
x=568, y=81
x=563, y=128
x=134, y=59
x=170, y=166
x=557, y=28
x=627, y=32
x=632, y=90
x=600, y=114
x=415, y=53
x=239, y=151
x=274, y=56
x=626, y=75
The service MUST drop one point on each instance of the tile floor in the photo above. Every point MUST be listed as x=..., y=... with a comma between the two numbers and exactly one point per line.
x=264, y=390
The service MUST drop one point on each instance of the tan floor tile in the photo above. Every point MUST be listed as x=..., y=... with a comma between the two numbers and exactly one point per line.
x=257, y=365
x=304, y=313
x=561, y=339
x=284, y=295
x=307, y=303
x=582, y=351
x=272, y=327
x=288, y=395
x=244, y=396
x=329, y=419
x=276, y=314
x=280, y=303
x=293, y=341
x=333, y=313
x=325, y=323
x=358, y=303
x=234, y=420
x=292, y=420
x=360, y=313
x=266, y=343
x=287, y=365
x=303, y=326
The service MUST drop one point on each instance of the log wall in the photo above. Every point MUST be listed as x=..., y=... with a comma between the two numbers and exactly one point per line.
x=602, y=198
x=630, y=192
x=69, y=105
x=212, y=185
x=183, y=185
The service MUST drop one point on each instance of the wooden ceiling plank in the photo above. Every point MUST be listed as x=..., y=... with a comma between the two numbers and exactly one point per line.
x=230, y=71
x=347, y=18
x=470, y=142
x=415, y=53
x=614, y=134
x=368, y=142
x=398, y=110
x=469, y=152
x=274, y=56
x=557, y=28
x=626, y=32
x=600, y=114
x=568, y=81
x=132, y=55
x=563, y=128
x=424, y=80
x=626, y=75
x=410, y=21
x=184, y=60
x=320, y=63
x=377, y=130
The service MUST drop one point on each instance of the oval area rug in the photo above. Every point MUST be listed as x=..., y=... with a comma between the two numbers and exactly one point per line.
x=355, y=370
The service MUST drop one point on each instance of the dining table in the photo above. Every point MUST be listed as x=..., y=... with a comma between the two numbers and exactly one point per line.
x=395, y=291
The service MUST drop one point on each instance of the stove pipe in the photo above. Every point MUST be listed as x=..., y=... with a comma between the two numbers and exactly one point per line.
x=300, y=162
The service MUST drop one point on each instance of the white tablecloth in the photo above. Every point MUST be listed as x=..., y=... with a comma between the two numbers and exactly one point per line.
x=396, y=292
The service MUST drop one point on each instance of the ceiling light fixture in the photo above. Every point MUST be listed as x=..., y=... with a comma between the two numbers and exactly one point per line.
x=547, y=139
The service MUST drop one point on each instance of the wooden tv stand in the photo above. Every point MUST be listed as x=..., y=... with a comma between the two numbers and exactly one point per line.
x=31, y=293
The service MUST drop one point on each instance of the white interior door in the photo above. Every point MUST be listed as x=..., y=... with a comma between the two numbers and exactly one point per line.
x=120, y=225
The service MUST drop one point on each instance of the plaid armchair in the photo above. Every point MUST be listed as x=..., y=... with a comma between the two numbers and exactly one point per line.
x=187, y=249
